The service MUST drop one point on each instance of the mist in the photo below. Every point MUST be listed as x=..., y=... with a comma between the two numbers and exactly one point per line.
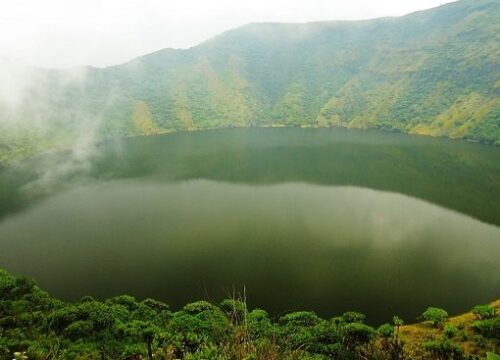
x=29, y=127
x=62, y=33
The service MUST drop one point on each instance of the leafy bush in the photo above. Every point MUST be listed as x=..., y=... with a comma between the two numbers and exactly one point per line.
x=435, y=315
x=197, y=323
x=305, y=330
x=353, y=317
x=489, y=328
x=391, y=346
x=444, y=350
x=359, y=333
x=234, y=309
x=450, y=331
x=386, y=330
x=483, y=312
x=259, y=323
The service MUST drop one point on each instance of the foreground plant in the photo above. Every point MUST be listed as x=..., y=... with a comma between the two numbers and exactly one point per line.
x=35, y=326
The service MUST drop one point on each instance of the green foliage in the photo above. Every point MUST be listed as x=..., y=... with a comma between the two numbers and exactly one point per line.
x=450, y=331
x=430, y=73
x=489, y=328
x=435, y=315
x=35, y=325
x=397, y=321
x=483, y=312
x=444, y=350
x=359, y=333
x=391, y=346
x=353, y=317
x=386, y=330
x=260, y=325
x=196, y=324
x=236, y=310
x=300, y=318
x=305, y=330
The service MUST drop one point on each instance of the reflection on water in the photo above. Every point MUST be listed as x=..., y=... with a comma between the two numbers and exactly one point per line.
x=292, y=245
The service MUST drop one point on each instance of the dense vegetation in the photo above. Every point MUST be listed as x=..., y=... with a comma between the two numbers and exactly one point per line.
x=433, y=72
x=35, y=326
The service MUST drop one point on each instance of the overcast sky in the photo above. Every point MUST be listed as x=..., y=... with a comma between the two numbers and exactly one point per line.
x=64, y=33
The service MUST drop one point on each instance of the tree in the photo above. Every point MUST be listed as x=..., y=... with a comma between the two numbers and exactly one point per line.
x=353, y=317
x=236, y=310
x=435, y=315
x=144, y=331
x=102, y=320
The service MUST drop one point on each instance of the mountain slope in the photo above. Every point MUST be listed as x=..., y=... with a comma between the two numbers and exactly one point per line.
x=433, y=72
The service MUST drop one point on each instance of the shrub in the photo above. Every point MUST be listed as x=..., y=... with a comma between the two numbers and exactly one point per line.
x=304, y=330
x=483, y=312
x=386, y=330
x=127, y=301
x=198, y=307
x=300, y=318
x=435, y=315
x=259, y=323
x=450, y=331
x=353, y=317
x=390, y=345
x=59, y=319
x=155, y=305
x=234, y=309
x=480, y=341
x=444, y=350
x=489, y=328
x=197, y=324
x=80, y=329
x=359, y=333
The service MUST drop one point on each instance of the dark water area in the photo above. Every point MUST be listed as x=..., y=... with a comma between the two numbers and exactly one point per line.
x=323, y=220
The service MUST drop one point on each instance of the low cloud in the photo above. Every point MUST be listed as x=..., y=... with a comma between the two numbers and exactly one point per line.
x=34, y=119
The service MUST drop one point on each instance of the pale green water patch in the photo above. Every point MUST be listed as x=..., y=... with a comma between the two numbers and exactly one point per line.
x=292, y=245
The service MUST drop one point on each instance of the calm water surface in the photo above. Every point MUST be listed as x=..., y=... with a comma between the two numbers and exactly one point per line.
x=327, y=220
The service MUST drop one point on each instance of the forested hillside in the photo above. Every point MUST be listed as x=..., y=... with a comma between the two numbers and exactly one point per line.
x=433, y=72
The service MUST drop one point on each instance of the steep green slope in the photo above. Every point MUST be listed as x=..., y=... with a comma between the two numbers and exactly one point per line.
x=434, y=72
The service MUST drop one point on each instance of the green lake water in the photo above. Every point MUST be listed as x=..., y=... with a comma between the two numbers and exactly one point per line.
x=325, y=220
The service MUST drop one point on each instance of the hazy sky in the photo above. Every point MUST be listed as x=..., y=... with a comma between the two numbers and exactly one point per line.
x=62, y=33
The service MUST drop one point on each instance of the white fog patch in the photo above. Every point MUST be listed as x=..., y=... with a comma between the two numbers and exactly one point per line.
x=63, y=33
x=29, y=118
x=23, y=86
x=74, y=166
x=16, y=81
